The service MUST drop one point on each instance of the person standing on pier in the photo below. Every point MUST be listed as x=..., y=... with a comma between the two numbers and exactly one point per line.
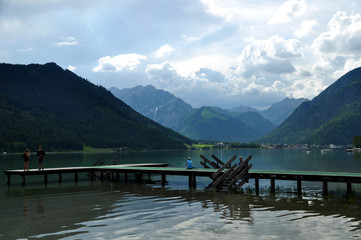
x=26, y=157
x=40, y=154
x=189, y=163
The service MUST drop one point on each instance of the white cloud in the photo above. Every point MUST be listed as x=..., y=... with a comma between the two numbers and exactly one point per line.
x=272, y=56
x=68, y=41
x=119, y=63
x=235, y=11
x=163, y=51
x=164, y=74
x=349, y=65
x=214, y=51
x=305, y=88
x=305, y=29
x=343, y=36
x=71, y=68
x=289, y=10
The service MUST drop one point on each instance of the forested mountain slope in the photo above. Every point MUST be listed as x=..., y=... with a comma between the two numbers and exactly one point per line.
x=44, y=104
x=333, y=116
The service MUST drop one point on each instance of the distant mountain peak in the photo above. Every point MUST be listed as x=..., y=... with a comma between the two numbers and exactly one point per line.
x=331, y=117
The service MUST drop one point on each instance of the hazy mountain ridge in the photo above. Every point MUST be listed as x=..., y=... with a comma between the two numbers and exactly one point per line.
x=331, y=117
x=197, y=123
x=44, y=104
x=216, y=124
x=278, y=112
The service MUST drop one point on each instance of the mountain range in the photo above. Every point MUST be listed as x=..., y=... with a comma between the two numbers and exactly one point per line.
x=44, y=104
x=333, y=116
x=242, y=124
x=278, y=112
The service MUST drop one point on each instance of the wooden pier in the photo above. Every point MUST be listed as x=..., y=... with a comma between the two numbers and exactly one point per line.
x=161, y=169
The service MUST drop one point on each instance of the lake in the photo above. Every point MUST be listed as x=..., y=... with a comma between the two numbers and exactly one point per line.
x=129, y=210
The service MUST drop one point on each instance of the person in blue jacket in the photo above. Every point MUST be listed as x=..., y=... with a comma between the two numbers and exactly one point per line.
x=189, y=163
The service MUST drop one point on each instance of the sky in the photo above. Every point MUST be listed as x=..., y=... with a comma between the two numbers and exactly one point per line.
x=224, y=53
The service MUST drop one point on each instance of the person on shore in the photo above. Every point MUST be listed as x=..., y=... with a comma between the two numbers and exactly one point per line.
x=189, y=163
x=40, y=154
x=26, y=157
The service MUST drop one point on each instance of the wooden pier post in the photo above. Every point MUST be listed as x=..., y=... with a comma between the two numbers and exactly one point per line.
x=273, y=188
x=126, y=177
x=46, y=179
x=8, y=182
x=117, y=176
x=192, y=181
x=138, y=177
x=349, y=188
x=256, y=183
x=325, y=188
x=299, y=186
x=76, y=176
x=60, y=178
x=23, y=182
x=163, y=179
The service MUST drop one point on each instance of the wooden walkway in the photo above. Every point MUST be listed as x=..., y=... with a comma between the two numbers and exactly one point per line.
x=163, y=170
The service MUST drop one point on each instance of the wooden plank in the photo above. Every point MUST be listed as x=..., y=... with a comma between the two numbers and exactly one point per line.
x=243, y=173
x=222, y=177
x=213, y=164
x=244, y=164
x=216, y=174
x=204, y=165
x=219, y=162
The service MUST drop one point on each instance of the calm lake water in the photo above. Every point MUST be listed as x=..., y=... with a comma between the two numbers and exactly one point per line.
x=120, y=210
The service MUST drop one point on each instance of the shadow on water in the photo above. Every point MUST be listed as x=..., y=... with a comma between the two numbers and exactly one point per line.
x=60, y=212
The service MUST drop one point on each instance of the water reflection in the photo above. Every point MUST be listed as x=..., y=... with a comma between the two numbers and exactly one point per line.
x=26, y=207
x=40, y=209
x=119, y=209
x=88, y=210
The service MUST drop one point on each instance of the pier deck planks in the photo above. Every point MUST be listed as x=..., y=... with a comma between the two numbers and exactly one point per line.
x=163, y=170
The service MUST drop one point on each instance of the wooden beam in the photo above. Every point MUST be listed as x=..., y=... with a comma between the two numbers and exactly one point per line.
x=219, y=162
x=216, y=174
x=163, y=179
x=8, y=182
x=325, y=188
x=243, y=173
x=256, y=183
x=299, y=186
x=273, y=184
x=213, y=164
x=223, y=176
x=349, y=188
x=204, y=165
